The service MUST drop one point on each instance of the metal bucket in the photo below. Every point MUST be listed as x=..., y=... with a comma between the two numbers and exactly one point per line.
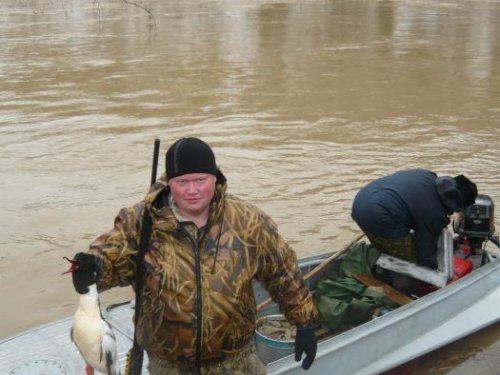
x=270, y=349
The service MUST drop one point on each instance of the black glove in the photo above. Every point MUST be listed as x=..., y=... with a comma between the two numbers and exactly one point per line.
x=86, y=272
x=305, y=341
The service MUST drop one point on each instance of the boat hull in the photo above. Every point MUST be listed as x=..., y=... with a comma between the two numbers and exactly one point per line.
x=381, y=344
x=413, y=330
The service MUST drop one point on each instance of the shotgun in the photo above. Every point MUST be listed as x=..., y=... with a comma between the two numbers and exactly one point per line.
x=135, y=356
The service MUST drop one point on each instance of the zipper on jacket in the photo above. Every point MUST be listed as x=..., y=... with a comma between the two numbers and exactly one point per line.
x=198, y=307
x=196, y=248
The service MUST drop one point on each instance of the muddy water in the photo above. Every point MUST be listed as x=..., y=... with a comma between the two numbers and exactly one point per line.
x=303, y=103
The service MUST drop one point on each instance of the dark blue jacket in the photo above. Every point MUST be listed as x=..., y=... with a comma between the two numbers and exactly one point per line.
x=392, y=205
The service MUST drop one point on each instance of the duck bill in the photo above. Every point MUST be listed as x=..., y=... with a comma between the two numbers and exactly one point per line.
x=72, y=268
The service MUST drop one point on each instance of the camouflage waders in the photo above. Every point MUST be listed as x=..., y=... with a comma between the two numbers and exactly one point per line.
x=244, y=363
x=403, y=248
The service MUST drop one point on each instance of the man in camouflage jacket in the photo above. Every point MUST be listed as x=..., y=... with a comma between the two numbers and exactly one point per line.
x=198, y=310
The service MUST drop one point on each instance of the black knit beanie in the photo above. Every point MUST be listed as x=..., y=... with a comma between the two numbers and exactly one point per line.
x=467, y=189
x=189, y=155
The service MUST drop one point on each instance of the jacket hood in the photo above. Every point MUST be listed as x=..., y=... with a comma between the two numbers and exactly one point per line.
x=449, y=193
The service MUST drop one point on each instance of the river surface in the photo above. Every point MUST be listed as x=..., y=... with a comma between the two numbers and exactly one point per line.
x=303, y=102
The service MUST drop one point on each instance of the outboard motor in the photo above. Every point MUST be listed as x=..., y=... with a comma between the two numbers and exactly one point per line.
x=477, y=224
x=473, y=227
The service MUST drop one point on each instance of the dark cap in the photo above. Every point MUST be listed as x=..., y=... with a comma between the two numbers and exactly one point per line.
x=189, y=155
x=467, y=189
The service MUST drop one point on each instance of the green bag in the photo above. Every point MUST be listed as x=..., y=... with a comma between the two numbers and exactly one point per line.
x=342, y=301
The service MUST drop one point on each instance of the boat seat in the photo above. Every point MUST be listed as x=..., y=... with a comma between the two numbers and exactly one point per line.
x=438, y=277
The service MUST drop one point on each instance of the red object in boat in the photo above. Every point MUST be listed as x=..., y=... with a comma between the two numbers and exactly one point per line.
x=461, y=267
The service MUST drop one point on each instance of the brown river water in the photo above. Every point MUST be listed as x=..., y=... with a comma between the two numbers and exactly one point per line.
x=302, y=101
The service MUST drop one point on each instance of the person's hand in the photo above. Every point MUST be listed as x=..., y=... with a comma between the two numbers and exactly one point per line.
x=456, y=219
x=305, y=342
x=85, y=271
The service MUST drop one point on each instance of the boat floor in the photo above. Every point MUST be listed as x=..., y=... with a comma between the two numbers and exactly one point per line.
x=48, y=349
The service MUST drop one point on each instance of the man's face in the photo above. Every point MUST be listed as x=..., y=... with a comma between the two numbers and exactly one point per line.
x=192, y=193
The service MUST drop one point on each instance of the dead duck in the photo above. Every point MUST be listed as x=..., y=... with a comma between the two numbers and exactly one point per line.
x=91, y=334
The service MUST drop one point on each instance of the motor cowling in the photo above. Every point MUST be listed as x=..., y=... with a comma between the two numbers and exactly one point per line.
x=476, y=223
x=477, y=220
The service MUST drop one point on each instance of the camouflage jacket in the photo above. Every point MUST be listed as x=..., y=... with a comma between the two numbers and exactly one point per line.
x=197, y=298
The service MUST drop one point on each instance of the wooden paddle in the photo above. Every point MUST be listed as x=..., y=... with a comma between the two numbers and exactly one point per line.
x=394, y=295
x=320, y=267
